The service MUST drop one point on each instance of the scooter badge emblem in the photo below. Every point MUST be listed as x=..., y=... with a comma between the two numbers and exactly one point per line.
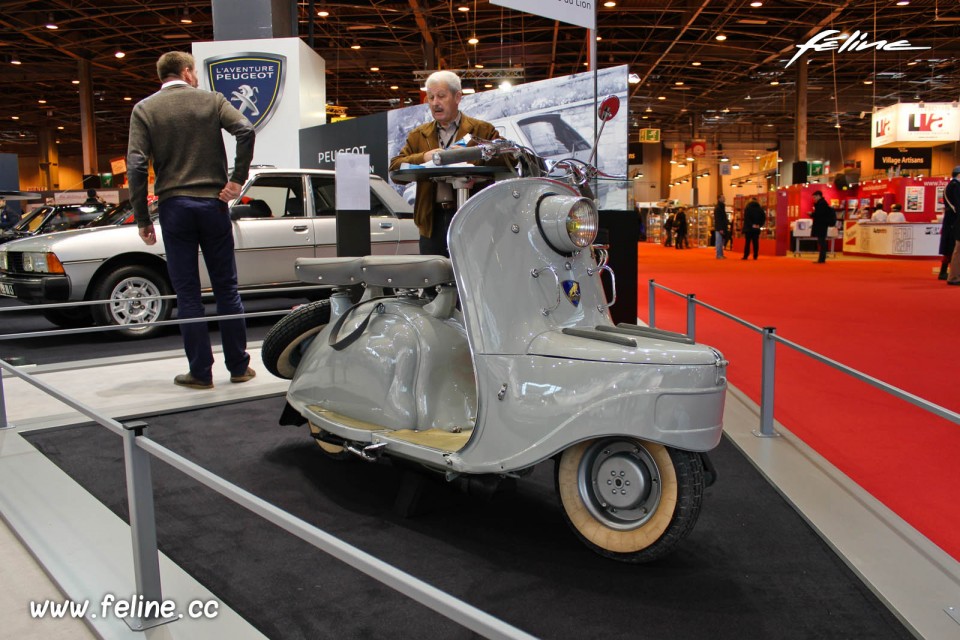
x=572, y=290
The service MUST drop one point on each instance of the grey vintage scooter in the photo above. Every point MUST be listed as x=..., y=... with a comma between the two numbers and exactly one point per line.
x=527, y=367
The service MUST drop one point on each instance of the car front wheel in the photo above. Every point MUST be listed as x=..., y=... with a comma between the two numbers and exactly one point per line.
x=627, y=499
x=128, y=290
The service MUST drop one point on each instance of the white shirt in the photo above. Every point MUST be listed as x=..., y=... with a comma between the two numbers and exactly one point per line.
x=896, y=216
x=879, y=216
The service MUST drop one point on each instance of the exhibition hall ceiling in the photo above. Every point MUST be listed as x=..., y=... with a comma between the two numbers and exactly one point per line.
x=712, y=68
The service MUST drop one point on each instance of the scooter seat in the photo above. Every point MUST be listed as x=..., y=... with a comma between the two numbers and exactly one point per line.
x=332, y=271
x=398, y=272
x=407, y=272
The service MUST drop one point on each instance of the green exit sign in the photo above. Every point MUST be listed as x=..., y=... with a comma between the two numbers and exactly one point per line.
x=649, y=135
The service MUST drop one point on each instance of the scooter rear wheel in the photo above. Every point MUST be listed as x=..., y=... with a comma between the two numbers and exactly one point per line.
x=285, y=343
x=627, y=499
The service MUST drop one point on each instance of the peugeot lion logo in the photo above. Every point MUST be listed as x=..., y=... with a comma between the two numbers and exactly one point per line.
x=252, y=82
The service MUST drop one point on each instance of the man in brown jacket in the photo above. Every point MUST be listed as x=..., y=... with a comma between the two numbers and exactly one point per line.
x=436, y=202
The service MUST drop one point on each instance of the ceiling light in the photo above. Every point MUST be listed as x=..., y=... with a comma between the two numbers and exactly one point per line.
x=374, y=68
x=756, y=3
x=463, y=8
x=902, y=3
x=633, y=78
x=14, y=60
x=60, y=128
x=323, y=13
x=355, y=46
x=468, y=90
x=774, y=82
x=488, y=86
x=661, y=97
x=696, y=63
x=644, y=117
x=478, y=66
x=672, y=161
x=836, y=126
x=127, y=98
x=42, y=101
x=506, y=85
x=679, y=83
x=394, y=87
x=14, y=117
x=74, y=82
x=185, y=18
x=648, y=110
x=735, y=165
x=721, y=37
x=119, y=54
x=691, y=159
x=51, y=23
x=724, y=158
x=610, y=4
x=599, y=38
x=473, y=40
x=868, y=82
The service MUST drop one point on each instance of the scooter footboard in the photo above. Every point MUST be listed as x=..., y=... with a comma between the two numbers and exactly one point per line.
x=543, y=405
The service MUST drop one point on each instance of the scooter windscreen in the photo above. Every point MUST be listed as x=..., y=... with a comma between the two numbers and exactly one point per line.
x=568, y=223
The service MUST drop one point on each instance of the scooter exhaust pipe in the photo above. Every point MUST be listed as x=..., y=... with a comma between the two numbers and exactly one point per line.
x=370, y=453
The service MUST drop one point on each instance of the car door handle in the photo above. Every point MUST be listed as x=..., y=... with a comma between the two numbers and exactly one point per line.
x=386, y=225
x=300, y=227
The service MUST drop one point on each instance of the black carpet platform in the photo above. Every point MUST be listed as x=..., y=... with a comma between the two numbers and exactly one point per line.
x=752, y=568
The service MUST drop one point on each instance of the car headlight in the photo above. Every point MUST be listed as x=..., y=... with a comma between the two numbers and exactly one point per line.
x=42, y=263
x=3, y=261
x=568, y=223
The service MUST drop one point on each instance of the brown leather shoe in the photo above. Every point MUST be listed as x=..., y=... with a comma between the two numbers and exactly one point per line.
x=246, y=375
x=187, y=380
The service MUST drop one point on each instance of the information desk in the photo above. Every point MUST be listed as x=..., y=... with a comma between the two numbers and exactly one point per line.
x=892, y=239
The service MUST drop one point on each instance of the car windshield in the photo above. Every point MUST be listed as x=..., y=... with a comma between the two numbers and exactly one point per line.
x=59, y=218
x=32, y=221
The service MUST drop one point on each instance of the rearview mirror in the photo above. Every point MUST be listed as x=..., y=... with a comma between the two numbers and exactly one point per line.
x=608, y=108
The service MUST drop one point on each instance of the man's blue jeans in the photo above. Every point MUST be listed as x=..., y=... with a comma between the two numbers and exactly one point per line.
x=718, y=240
x=189, y=225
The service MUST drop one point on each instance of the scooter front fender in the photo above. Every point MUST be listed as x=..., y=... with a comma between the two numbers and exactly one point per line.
x=534, y=407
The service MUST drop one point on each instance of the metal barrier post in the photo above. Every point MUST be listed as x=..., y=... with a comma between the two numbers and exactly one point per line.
x=767, y=379
x=143, y=528
x=691, y=316
x=651, y=303
x=3, y=407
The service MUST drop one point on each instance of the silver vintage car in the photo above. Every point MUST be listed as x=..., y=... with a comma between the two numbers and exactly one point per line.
x=281, y=215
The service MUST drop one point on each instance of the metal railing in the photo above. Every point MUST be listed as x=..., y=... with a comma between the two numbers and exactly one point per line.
x=138, y=449
x=769, y=340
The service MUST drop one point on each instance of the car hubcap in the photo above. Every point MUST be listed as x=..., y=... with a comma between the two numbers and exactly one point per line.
x=128, y=305
x=619, y=482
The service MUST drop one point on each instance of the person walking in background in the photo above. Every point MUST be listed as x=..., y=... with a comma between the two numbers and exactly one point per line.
x=824, y=216
x=720, y=224
x=8, y=217
x=179, y=127
x=680, y=229
x=754, y=217
x=436, y=201
x=951, y=205
x=668, y=229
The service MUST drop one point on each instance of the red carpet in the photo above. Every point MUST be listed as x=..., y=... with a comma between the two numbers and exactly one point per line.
x=891, y=319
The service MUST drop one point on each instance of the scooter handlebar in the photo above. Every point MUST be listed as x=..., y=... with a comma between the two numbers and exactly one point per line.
x=457, y=154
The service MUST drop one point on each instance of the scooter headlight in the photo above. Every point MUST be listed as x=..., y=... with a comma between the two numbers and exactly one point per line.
x=568, y=223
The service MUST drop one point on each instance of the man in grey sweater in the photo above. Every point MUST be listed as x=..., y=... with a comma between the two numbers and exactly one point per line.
x=179, y=128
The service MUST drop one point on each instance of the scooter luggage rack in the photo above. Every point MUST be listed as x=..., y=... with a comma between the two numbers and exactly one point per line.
x=398, y=272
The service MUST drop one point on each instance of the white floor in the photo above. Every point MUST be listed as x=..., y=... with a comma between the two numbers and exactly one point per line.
x=68, y=535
